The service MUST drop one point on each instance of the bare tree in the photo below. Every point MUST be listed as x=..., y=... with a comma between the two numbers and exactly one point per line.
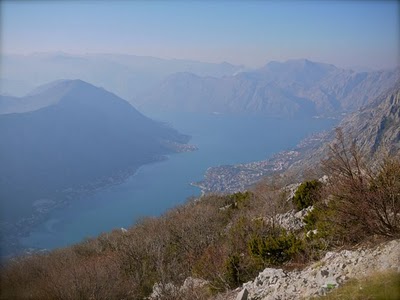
x=366, y=200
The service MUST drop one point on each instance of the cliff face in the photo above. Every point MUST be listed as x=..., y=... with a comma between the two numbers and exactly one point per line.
x=377, y=126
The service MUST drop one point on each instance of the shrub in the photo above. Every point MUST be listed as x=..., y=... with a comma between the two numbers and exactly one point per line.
x=307, y=194
x=364, y=200
x=238, y=200
x=233, y=270
x=276, y=248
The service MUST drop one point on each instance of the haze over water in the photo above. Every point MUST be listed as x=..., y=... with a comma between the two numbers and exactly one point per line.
x=156, y=187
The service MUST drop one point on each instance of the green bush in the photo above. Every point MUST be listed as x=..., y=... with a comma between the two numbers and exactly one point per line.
x=276, y=248
x=310, y=219
x=238, y=200
x=307, y=194
x=233, y=270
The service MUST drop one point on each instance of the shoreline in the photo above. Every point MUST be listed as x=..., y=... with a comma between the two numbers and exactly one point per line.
x=12, y=233
x=228, y=179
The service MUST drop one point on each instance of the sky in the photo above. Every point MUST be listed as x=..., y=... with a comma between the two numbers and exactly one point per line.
x=344, y=33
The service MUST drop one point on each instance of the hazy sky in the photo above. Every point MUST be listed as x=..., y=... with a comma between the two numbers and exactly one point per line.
x=360, y=33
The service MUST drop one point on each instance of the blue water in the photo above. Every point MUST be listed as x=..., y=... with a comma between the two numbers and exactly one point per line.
x=156, y=187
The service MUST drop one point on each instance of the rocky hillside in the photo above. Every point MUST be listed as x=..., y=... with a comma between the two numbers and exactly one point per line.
x=377, y=125
x=375, y=128
x=292, y=88
x=321, y=277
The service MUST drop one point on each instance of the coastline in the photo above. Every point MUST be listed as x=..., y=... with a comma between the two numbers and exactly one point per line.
x=228, y=179
x=12, y=233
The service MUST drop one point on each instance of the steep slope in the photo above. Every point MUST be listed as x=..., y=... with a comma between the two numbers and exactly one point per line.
x=296, y=87
x=81, y=135
x=374, y=127
x=377, y=125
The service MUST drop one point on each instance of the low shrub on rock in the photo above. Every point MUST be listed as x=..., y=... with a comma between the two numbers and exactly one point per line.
x=307, y=194
x=277, y=247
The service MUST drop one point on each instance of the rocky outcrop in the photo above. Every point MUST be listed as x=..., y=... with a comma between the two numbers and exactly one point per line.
x=291, y=220
x=191, y=286
x=330, y=272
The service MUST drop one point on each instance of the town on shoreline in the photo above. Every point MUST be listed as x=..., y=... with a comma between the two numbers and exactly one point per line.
x=228, y=179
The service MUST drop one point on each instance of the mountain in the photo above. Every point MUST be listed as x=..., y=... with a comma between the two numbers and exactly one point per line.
x=295, y=87
x=375, y=128
x=125, y=75
x=74, y=134
x=42, y=96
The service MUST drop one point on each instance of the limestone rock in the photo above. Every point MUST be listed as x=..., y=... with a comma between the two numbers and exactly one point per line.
x=291, y=220
x=242, y=295
x=330, y=272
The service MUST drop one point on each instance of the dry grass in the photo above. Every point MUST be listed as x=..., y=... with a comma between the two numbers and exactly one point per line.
x=379, y=286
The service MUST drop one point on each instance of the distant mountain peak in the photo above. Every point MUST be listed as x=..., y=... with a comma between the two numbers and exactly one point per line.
x=294, y=87
x=61, y=84
x=62, y=92
x=74, y=134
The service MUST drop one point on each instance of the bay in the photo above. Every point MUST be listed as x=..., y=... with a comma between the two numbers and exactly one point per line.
x=156, y=187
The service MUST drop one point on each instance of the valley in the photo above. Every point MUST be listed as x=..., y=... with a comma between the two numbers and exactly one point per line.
x=234, y=151
x=157, y=187
x=199, y=150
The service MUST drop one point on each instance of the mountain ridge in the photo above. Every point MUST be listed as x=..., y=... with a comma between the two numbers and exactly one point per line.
x=124, y=74
x=83, y=134
x=292, y=88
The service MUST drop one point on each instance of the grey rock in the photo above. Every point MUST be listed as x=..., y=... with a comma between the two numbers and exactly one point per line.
x=291, y=220
x=330, y=272
x=193, y=283
x=242, y=295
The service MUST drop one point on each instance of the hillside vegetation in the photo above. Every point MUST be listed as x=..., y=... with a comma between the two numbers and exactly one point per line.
x=222, y=241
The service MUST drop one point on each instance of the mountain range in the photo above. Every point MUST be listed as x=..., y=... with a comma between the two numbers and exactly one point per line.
x=292, y=88
x=125, y=75
x=70, y=133
x=280, y=251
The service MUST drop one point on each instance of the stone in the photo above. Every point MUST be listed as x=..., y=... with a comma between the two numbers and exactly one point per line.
x=329, y=273
x=193, y=283
x=242, y=295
